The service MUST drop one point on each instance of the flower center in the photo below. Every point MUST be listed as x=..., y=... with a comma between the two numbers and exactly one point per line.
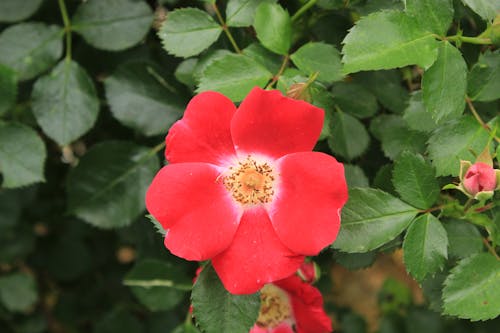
x=250, y=182
x=275, y=307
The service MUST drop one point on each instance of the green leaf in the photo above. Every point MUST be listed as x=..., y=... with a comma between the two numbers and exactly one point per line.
x=218, y=311
x=433, y=15
x=370, y=219
x=444, y=84
x=415, y=180
x=241, y=13
x=234, y=76
x=142, y=86
x=112, y=25
x=454, y=142
x=319, y=57
x=484, y=78
x=107, y=187
x=159, y=285
x=385, y=40
x=15, y=10
x=188, y=31
x=8, y=89
x=65, y=102
x=263, y=56
x=18, y=292
x=425, y=247
x=119, y=320
x=353, y=261
x=32, y=48
x=396, y=137
x=184, y=73
x=206, y=59
x=354, y=99
x=355, y=176
x=487, y=9
x=471, y=290
x=349, y=136
x=387, y=87
x=22, y=155
x=416, y=116
x=464, y=239
x=273, y=27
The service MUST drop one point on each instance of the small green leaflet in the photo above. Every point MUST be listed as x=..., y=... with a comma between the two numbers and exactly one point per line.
x=349, y=137
x=274, y=27
x=22, y=155
x=387, y=39
x=487, y=9
x=15, y=10
x=434, y=15
x=8, y=88
x=188, y=31
x=471, y=290
x=416, y=116
x=370, y=219
x=234, y=76
x=415, y=180
x=352, y=98
x=65, y=102
x=463, y=237
x=484, y=78
x=319, y=57
x=241, y=13
x=425, y=247
x=218, y=311
x=113, y=25
x=444, y=84
x=18, y=292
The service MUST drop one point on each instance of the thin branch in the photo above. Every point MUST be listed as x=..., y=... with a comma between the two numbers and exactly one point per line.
x=67, y=28
x=303, y=9
x=225, y=28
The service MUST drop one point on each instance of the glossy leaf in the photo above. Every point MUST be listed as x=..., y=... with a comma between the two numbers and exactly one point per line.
x=15, y=10
x=188, y=31
x=22, y=155
x=107, y=187
x=425, y=247
x=18, y=291
x=464, y=238
x=354, y=99
x=263, y=56
x=241, y=13
x=273, y=27
x=416, y=116
x=159, y=285
x=319, y=57
x=387, y=39
x=8, y=88
x=141, y=86
x=65, y=102
x=355, y=176
x=487, y=9
x=234, y=76
x=454, y=142
x=484, y=78
x=444, y=84
x=218, y=311
x=415, y=180
x=32, y=48
x=471, y=290
x=370, y=219
x=433, y=15
x=113, y=25
x=349, y=136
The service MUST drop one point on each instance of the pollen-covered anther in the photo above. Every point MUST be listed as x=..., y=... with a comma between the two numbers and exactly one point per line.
x=250, y=182
x=275, y=307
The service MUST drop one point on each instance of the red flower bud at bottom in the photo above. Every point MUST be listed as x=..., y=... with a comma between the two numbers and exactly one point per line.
x=480, y=177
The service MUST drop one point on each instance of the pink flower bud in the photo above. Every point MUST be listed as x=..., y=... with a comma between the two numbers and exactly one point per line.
x=480, y=177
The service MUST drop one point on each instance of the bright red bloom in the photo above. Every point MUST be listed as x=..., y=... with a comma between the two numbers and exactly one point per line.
x=291, y=306
x=244, y=189
x=480, y=177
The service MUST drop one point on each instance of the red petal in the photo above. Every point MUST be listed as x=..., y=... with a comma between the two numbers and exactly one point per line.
x=203, y=134
x=307, y=304
x=198, y=211
x=255, y=257
x=274, y=125
x=306, y=210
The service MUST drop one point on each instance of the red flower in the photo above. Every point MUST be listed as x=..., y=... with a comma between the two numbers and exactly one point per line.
x=243, y=188
x=480, y=177
x=291, y=306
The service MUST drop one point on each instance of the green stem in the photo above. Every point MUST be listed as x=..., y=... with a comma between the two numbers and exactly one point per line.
x=303, y=9
x=157, y=148
x=225, y=28
x=67, y=28
x=470, y=40
x=284, y=64
x=478, y=117
x=491, y=249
